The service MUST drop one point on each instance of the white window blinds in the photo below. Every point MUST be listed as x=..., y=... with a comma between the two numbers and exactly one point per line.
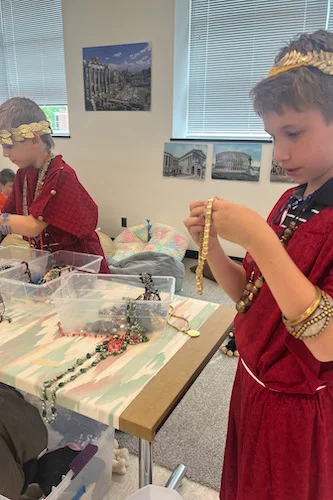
x=32, y=51
x=232, y=46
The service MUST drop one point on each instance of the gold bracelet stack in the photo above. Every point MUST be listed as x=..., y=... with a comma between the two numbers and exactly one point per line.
x=203, y=247
x=314, y=320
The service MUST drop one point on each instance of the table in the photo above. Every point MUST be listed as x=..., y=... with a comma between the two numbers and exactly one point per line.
x=135, y=392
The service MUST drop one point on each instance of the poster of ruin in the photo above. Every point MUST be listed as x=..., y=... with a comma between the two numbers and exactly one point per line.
x=278, y=174
x=236, y=162
x=117, y=77
x=185, y=160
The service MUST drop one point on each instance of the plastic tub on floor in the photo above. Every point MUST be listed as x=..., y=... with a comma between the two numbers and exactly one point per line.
x=95, y=479
x=18, y=291
x=153, y=492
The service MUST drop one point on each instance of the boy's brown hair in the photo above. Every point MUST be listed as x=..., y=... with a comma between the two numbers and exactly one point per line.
x=299, y=88
x=6, y=175
x=20, y=110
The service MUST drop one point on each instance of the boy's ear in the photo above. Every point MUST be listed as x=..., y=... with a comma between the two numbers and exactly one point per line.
x=1, y=186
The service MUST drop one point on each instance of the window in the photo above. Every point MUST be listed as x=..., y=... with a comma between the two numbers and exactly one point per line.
x=32, y=56
x=222, y=49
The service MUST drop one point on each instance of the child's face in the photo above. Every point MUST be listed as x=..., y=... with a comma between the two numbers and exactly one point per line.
x=6, y=189
x=22, y=154
x=303, y=145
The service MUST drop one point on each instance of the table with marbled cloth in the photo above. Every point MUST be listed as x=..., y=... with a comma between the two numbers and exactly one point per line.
x=134, y=392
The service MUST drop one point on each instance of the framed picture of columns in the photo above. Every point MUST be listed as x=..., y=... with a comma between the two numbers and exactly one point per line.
x=236, y=162
x=185, y=160
x=278, y=174
x=117, y=77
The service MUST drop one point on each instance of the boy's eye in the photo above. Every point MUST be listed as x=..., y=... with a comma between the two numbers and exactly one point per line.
x=293, y=135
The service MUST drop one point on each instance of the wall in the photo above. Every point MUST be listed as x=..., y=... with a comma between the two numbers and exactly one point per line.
x=118, y=156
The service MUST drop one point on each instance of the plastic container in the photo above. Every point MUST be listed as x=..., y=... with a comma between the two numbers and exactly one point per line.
x=94, y=480
x=15, y=255
x=17, y=290
x=84, y=301
x=153, y=492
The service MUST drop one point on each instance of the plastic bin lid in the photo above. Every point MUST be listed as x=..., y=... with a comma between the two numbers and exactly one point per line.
x=152, y=492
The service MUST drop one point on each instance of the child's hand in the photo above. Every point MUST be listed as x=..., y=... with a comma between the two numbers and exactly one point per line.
x=195, y=223
x=236, y=223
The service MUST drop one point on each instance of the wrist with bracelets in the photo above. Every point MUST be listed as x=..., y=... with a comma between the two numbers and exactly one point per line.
x=4, y=226
x=314, y=320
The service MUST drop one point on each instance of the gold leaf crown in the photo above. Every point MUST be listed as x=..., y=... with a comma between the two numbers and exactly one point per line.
x=320, y=60
x=24, y=131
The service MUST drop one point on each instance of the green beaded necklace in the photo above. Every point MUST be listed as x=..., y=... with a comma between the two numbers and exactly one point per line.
x=113, y=346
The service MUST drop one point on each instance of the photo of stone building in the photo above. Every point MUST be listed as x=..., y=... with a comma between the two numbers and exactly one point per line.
x=236, y=161
x=117, y=77
x=184, y=160
x=278, y=174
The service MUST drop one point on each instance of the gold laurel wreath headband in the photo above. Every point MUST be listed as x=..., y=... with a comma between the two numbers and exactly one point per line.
x=320, y=60
x=25, y=131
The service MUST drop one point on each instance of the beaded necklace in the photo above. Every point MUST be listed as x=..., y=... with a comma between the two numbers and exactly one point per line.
x=42, y=173
x=203, y=246
x=111, y=345
x=255, y=284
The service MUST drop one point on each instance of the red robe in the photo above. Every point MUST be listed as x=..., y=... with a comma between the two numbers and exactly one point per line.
x=71, y=214
x=280, y=444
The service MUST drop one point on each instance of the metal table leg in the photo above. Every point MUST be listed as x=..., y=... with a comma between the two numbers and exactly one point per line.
x=145, y=463
x=175, y=480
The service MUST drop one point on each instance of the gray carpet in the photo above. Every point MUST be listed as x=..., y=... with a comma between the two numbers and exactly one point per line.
x=195, y=432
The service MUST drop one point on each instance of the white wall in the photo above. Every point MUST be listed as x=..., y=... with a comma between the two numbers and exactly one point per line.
x=118, y=156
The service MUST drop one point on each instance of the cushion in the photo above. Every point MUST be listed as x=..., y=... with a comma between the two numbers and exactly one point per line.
x=15, y=240
x=155, y=263
x=108, y=246
x=164, y=239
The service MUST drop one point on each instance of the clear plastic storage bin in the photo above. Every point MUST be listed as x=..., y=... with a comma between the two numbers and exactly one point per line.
x=15, y=255
x=152, y=492
x=17, y=290
x=94, y=480
x=85, y=302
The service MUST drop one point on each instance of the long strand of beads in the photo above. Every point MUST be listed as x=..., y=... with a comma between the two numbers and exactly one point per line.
x=254, y=285
x=203, y=247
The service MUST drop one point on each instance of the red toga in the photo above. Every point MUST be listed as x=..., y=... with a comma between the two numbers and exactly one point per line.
x=280, y=437
x=64, y=204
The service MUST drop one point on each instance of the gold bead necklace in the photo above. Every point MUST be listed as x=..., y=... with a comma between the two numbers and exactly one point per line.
x=203, y=246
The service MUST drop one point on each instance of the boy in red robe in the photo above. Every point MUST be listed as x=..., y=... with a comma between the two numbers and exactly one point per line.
x=52, y=209
x=280, y=434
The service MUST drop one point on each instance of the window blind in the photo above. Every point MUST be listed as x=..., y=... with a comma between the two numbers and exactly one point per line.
x=232, y=46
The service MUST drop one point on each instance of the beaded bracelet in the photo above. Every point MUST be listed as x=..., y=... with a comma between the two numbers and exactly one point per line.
x=315, y=319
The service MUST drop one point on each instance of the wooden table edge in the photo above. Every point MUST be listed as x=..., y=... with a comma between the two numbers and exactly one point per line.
x=161, y=395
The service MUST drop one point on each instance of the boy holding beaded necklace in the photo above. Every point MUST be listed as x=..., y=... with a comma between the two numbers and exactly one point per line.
x=49, y=205
x=280, y=434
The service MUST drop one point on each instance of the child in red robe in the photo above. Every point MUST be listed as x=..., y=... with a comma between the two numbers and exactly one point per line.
x=48, y=205
x=7, y=177
x=280, y=434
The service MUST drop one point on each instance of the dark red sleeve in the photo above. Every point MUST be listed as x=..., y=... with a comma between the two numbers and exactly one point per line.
x=65, y=204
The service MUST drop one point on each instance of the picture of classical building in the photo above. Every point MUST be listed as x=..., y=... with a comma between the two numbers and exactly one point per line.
x=184, y=160
x=278, y=174
x=117, y=77
x=239, y=162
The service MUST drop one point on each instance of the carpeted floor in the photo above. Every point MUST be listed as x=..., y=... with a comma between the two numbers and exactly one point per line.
x=195, y=432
